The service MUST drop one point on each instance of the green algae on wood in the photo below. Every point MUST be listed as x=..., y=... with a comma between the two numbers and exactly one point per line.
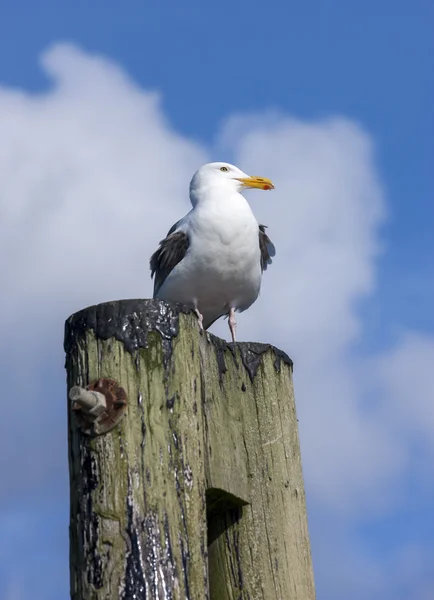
x=198, y=493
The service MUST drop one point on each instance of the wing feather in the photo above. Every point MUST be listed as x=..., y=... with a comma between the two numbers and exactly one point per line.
x=170, y=252
x=267, y=248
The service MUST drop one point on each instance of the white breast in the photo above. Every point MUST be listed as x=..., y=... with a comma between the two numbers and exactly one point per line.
x=221, y=269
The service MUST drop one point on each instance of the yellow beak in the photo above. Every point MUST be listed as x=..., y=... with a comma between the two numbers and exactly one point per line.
x=262, y=183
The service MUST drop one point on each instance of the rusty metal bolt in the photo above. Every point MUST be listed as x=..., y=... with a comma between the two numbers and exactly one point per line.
x=99, y=407
x=92, y=403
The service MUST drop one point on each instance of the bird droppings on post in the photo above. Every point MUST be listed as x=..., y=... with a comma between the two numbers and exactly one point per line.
x=89, y=517
x=144, y=575
x=281, y=357
x=135, y=580
x=251, y=356
x=129, y=322
x=220, y=347
x=183, y=536
x=188, y=477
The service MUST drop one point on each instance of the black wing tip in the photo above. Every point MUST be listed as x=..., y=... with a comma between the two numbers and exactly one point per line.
x=267, y=248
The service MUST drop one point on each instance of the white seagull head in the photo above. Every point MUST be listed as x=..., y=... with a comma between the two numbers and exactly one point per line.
x=224, y=176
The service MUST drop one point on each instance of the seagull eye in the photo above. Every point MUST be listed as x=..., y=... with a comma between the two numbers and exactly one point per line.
x=224, y=169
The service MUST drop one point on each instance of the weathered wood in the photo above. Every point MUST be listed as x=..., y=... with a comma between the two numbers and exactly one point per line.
x=198, y=492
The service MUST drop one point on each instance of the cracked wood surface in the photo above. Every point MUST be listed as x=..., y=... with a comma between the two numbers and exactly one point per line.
x=198, y=493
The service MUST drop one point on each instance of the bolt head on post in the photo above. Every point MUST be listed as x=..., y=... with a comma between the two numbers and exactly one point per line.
x=99, y=407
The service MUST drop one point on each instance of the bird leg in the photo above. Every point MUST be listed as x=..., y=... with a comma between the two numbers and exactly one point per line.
x=200, y=318
x=232, y=323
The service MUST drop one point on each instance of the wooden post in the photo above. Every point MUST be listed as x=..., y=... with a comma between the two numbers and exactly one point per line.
x=196, y=492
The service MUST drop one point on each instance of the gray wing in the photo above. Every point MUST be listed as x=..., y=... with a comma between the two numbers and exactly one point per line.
x=267, y=248
x=170, y=252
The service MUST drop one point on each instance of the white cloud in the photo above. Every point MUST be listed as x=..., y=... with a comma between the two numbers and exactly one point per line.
x=324, y=216
x=92, y=176
x=404, y=376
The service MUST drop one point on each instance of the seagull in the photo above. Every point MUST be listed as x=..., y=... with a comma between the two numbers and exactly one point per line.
x=213, y=258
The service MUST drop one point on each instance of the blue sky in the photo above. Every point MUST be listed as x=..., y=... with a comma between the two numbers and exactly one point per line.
x=218, y=70
x=369, y=61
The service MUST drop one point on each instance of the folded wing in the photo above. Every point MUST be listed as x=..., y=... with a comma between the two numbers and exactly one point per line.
x=267, y=248
x=170, y=252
